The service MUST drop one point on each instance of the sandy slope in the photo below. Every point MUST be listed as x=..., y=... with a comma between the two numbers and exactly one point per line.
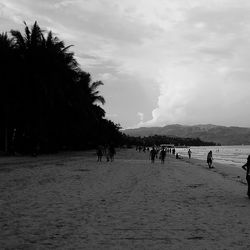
x=70, y=201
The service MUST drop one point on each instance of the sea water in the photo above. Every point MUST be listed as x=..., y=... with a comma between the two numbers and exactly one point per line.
x=228, y=155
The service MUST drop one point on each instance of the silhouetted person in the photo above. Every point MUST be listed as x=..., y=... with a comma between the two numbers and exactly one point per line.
x=105, y=151
x=210, y=159
x=153, y=154
x=111, y=153
x=177, y=156
x=173, y=151
x=247, y=168
x=157, y=151
x=189, y=153
x=99, y=153
x=162, y=155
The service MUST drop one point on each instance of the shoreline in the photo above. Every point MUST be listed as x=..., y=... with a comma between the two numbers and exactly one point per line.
x=228, y=155
x=229, y=170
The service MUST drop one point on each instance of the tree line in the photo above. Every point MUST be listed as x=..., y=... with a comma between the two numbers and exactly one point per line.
x=47, y=102
x=161, y=139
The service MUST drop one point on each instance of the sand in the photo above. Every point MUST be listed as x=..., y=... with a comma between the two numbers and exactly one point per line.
x=70, y=201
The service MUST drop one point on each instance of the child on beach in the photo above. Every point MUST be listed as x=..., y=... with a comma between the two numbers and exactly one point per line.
x=247, y=168
x=177, y=156
x=189, y=153
x=210, y=159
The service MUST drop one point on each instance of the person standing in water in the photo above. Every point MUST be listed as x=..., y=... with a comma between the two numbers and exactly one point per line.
x=189, y=154
x=247, y=168
x=210, y=159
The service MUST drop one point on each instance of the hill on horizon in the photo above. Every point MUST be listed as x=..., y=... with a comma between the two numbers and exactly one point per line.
x=206, y=132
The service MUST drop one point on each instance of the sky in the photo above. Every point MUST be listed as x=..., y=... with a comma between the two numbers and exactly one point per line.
x=161, y=61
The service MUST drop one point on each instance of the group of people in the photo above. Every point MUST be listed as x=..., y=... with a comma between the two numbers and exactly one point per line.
x=162, y=155
x=142, y=148
x=108, y=151
x=154, y=154
x=162, y=152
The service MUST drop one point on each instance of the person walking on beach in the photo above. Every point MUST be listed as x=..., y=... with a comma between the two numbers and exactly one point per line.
x=189, y=154
x=162, y=155
x=99, y=153
x=210, y=159
x=247, y=168
x=153, y=154
x=111, y=153
x=173, y=151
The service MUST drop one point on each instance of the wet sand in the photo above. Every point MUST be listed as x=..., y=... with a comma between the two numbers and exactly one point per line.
x=70, y=201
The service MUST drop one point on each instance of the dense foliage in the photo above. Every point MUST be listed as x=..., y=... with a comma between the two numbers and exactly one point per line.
x=47, y=102
x=160, y=139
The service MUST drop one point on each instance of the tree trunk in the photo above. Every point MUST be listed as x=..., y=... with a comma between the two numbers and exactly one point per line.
x=6, y=146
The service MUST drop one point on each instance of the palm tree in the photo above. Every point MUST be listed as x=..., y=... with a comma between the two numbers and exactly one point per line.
x=50, y=70
x=52, y=100
x=29, y=48
x=94, y=93
x=7, y=58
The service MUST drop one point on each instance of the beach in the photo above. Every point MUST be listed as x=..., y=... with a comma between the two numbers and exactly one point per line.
x=71, y=201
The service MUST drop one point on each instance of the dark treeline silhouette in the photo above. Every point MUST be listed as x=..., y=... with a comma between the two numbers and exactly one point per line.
x=47, y=102
x=160, y=139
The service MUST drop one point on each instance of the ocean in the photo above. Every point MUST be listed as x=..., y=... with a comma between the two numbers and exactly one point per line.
x=228, y=155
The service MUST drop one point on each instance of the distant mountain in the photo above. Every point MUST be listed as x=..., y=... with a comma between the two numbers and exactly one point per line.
x=208, y=132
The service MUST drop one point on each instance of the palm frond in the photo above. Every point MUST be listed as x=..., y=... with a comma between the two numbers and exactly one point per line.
x=66, y=48
x=27, y=32
x=95, y=85
x=36, y=35
x=100, y=99
x=4, y=39
x=20, y=41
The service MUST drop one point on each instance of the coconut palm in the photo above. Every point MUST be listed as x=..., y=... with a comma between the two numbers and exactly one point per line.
x=55, y=103
x=6, y=72
x=94, y=93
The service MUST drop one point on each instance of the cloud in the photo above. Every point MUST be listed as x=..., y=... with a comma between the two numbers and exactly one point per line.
x=111, y=116
x=141, y=116
x=175, y=61
x=107, y=77
x=204, y=80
